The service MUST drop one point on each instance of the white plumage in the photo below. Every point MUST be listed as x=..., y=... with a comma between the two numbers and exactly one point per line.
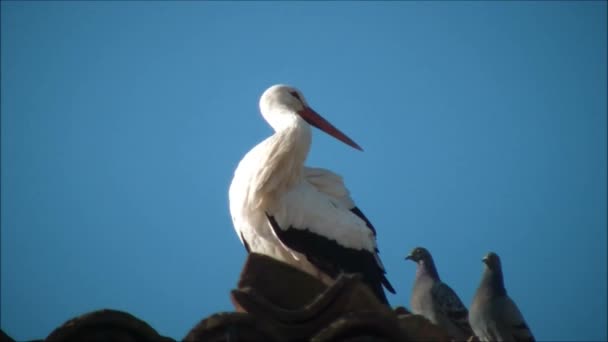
x=302, y=216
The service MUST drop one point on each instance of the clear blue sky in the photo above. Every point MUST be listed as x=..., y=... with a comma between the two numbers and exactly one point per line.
x=483, y=124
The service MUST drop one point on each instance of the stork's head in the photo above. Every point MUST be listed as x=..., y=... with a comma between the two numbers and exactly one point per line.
x=281, y=105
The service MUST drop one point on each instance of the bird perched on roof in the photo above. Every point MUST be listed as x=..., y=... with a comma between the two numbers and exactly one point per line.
x=299, y=215
x=435, y=300
x=494, y=316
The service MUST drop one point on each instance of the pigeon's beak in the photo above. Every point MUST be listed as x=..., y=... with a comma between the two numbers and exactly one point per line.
x=484, y=259
x=314, y=119
x=409, y=257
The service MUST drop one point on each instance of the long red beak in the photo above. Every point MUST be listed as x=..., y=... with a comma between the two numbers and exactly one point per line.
x=314, y=119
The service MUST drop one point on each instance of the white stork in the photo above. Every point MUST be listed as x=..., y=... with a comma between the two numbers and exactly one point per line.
x=299, y=215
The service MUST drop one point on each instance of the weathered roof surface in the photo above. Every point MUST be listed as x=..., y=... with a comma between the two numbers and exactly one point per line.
x=273, y=302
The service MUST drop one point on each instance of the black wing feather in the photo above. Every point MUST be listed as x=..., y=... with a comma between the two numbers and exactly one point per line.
x=245, y=243
x=333, y=258
x=359, y=213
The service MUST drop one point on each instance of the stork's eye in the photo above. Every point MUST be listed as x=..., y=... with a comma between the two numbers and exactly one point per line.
x=295, y=94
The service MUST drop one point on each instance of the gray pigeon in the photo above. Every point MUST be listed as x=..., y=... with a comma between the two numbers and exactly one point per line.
x=435, y=300
x=494, y=316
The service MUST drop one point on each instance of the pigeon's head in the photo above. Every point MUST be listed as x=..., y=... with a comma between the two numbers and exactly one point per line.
x=492, y=261
x=419, y=254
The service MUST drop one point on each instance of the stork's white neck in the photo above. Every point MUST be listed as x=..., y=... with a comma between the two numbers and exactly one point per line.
x=296, y=132
x=281, y=168
x=293, y=141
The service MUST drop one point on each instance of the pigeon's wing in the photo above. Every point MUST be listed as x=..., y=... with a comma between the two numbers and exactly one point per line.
x=450, y=305
x=513, y=321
